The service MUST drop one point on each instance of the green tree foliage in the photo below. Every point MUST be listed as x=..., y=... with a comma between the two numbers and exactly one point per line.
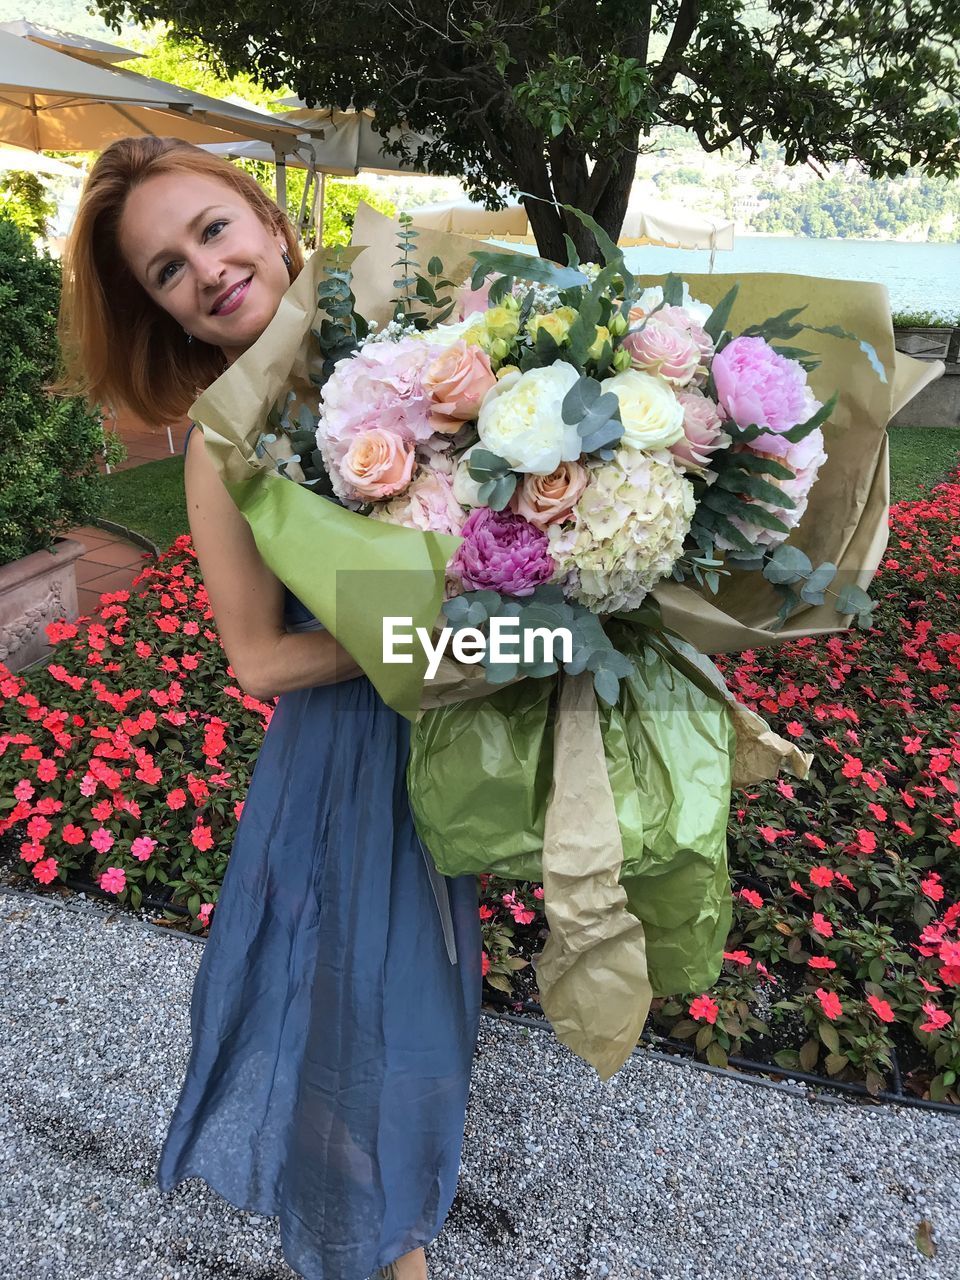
x=48, y=446
x=26, y=202
x=340, y=206
x=555, y=98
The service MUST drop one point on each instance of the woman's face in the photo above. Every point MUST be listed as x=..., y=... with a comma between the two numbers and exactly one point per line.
x=203, y=255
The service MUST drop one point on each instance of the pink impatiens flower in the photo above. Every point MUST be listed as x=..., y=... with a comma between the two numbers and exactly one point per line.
x=102, y=840
x=142, y=847
x=113, y=880
x=936, y=1018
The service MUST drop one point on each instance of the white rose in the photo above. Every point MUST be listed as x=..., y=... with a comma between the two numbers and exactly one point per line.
x=651, y=414
x=521, y=420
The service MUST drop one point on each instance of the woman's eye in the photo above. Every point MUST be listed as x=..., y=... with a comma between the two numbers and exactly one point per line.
x=210, y=229
x=163, y=274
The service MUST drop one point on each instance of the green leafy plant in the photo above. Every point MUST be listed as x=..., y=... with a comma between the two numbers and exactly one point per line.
x=49, y=447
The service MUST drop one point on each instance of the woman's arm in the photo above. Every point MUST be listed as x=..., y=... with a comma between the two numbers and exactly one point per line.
x=247, y=598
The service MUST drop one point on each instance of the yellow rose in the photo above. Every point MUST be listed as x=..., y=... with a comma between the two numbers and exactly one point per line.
x=502, y=322
x=556, y=323
x=651, y=414
x=596, y=347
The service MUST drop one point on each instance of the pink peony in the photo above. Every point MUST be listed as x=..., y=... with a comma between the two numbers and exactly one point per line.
x=756, y=386
x=428, y=504
x=502, y=552
x=456, y=381
x=664, y=349
x=113, y=880
x=703, y=432
x=377, y=465
x=805, y=458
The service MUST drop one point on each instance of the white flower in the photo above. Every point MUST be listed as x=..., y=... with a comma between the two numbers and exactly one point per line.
x=445, y=335
x=520, y=419
x=651, y=414
x=466, y=490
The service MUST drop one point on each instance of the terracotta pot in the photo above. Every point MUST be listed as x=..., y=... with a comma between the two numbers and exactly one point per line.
x=33, y=592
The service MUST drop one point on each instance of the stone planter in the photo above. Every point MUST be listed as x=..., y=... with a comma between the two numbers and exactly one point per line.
x=33, y=592
x=937, y=405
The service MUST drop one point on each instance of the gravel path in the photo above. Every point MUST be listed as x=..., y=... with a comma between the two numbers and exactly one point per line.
x=663, y=1172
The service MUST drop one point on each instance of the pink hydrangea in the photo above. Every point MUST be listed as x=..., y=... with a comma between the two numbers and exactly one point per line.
x=756, y=386
x=502, y=552
x=428, y=504
x=379, y=388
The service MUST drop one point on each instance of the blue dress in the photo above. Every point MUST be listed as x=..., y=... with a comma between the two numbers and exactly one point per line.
x=334, y=1013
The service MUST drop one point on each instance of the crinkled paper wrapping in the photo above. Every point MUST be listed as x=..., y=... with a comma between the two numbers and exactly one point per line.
x=611, y=800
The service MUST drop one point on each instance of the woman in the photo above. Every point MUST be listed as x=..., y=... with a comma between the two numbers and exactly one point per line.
x=335, y=1009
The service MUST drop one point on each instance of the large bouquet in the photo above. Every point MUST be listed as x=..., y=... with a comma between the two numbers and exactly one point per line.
x=566, y=454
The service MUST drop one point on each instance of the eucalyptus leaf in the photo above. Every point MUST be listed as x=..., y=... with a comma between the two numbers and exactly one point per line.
x=787, y=564
x=577, y=402
x=524, y=267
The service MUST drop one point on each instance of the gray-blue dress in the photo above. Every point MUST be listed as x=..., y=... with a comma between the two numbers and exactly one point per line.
x=334, y=1014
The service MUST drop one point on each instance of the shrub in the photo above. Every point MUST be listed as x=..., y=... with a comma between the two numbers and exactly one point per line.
x=924, y=320
x=48, y=447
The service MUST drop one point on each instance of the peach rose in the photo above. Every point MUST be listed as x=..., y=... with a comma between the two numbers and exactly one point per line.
x=378, y=464
x=456, y=381
x=545, y=500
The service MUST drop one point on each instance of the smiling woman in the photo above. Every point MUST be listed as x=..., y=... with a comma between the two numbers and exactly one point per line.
x=161, y=239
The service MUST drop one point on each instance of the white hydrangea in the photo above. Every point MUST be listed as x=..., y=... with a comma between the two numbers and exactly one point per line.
x=628, y=531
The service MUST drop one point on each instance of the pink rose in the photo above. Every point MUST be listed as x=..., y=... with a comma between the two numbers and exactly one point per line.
x=679, y=318
x=703, y=431
x=547, y=499
x=456, y=381
x=378, y=464
x=474, y=300
x=427, y=504
x=664, y=349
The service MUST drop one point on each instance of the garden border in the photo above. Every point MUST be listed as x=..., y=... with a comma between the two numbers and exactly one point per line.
x=752, y=1072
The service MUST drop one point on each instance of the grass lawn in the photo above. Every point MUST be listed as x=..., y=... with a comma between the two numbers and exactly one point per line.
x=149, y=499
x=920, y=456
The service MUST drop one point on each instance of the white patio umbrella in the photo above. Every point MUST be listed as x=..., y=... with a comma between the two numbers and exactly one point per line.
x=50, y=101
x=646, y=222
x=77, y=46
x=347, y=146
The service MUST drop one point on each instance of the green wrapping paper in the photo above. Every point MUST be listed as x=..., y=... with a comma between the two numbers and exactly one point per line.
x=480, y=775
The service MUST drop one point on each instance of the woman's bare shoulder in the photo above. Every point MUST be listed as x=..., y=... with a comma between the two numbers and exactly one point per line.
x=245, y=595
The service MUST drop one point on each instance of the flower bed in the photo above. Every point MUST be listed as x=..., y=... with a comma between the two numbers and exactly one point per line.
x=126, y=760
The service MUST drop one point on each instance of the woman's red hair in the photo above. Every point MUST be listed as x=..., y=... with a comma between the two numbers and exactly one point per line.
x=120, y=349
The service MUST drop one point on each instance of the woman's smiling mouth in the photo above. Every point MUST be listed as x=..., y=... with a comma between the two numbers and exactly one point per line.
x=232, y=299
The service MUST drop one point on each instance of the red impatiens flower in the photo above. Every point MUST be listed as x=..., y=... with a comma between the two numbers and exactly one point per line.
x=881, y=1008
x=822, y=925
x=821, y=962
x=936, y=1018
x=751, y=896
x=704, y=1007
x=821, y=876
x=738, y=957
x=829, y=1002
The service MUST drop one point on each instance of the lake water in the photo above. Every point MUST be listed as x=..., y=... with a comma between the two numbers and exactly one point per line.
x=918, y=276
